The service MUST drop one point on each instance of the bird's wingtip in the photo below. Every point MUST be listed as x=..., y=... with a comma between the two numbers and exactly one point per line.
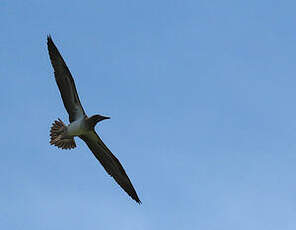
x=137, y=200
x=49, y=39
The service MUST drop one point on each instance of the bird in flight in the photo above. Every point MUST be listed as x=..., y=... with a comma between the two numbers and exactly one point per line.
x=81, y=125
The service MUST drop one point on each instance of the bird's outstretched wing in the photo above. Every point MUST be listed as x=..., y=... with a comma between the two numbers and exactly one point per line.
x=65, y=82
x=110, y=163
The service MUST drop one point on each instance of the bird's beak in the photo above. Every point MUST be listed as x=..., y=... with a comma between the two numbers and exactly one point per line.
x=104, y=118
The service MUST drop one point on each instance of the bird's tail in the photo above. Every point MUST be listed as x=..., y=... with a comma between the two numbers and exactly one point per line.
x=56, y=132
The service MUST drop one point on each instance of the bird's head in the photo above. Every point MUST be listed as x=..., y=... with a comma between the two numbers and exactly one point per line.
x=93, y=120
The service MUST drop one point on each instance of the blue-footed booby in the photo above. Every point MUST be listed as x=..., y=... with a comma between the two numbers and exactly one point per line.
x=81, y=125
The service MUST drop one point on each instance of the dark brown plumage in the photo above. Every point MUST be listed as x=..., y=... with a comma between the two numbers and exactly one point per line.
x=110, y=163
x=65, y=82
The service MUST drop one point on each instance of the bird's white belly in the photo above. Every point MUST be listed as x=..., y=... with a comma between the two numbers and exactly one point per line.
x=76, y=128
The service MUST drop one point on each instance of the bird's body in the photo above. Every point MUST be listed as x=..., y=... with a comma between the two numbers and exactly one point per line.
x=77, y=128
x=81, y=125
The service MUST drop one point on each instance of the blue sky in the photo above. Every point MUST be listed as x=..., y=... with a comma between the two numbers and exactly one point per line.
x=201, y=96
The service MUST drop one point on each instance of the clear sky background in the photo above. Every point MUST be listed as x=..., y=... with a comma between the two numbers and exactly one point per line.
x=201, y=96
